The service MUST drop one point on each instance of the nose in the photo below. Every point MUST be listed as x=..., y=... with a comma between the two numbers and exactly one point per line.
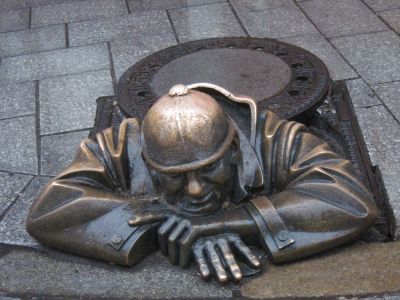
x=194, y=187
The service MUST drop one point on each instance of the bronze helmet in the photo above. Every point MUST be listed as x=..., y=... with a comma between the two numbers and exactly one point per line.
x=185, y=130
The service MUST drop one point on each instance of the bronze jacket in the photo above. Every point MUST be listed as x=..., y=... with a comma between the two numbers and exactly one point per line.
x=312, y=201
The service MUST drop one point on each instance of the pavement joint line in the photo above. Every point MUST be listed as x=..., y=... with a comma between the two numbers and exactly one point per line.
x=238, y=19
x=66, y=36
x=127, y=7
x=112, y=71
x=65, y=132
x=19, y=116
x=354, y=34
x=196, y=5
x=37, y=123
x=30, y=18
x=172, y=25
x=36, y=52
x=380, y=18
x=20, y=194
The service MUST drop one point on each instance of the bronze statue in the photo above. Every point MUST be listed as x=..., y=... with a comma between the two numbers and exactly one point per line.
x=189, y=182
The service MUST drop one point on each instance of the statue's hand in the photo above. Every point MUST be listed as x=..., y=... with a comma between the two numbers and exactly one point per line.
x=214, y=255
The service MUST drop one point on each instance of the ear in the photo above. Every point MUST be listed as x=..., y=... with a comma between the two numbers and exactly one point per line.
x=235, y=153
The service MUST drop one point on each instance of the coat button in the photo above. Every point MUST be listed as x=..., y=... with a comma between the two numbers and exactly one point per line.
x=116, y=239
x=283, y=235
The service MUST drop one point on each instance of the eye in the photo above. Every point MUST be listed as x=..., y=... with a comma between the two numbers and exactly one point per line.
x=210, y=167
x=174, y=175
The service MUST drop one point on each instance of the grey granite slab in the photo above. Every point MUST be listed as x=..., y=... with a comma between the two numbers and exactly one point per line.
x=140, y=23
x=392, y=17
x=12, y=4
x=378, y=5
x=18, y=145
x=17, y=100
x=273, y=19
x=15, y=19
x=389, y=93
x=348, y=272
x=11, y=187
x=69, y=102
x=32, y=40
x=53, y=63
x=13, y=226
x=58, y=151
x=382, y=137
x=59, y=275
x=342, y=17
x=316, y=44
x=205, y=21
x=375, y=56
x=136, y=5
x=361, y=95
x=77, y=11
x=128, y=50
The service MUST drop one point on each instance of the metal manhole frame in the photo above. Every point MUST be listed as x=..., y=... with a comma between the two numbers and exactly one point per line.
x=309, y=84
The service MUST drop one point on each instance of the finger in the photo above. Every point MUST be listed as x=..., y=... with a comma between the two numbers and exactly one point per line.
x=230, y=261
x=245, y=252
x=216, y=262
x=185, y=248
x=201, y=262
x=147, y=218
x=163, y=233
x=173, y=241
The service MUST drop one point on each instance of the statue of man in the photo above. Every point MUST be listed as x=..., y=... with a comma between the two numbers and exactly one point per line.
x=188, y=182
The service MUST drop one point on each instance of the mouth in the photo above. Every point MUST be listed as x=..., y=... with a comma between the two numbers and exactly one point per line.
x=205, y=205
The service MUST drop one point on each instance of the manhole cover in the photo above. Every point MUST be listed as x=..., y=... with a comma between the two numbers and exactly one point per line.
x=281, y=77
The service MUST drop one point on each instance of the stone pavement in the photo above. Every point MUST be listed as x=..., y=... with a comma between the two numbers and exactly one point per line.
x=58, y=56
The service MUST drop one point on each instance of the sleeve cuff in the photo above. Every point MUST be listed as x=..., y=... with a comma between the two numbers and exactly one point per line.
x=273, y=232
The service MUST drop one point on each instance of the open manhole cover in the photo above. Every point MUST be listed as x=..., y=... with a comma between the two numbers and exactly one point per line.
x=281, y=77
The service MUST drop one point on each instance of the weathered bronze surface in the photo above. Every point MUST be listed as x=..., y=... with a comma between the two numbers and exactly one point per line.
x=190, y=182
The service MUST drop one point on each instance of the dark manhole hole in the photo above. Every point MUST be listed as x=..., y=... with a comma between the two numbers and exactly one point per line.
x=283, y=78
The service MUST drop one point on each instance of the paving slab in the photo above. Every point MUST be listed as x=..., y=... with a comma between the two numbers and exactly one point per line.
x=57, y=275
x=52, y=63
x=136, y=5
x=316, y=44
x=389, y=93
x=357, y=270
x=16, y=19
x=205, y=21
x=18, y=145
x=342, y=17
x=378, y=5
x=32, y=40
x=12, y=4
x=361, y=95
x=130, y=49
x=12, y=226
x=382, y=136
x=375, y=56
x=392, y=17
x=77, y=11
x=11, y=187
x=273, y=19
x=69, y=102
x=58, y=151
x=17, y=100
x=140, y=23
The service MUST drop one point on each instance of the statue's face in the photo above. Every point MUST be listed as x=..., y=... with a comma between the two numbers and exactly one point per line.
x=202, y=191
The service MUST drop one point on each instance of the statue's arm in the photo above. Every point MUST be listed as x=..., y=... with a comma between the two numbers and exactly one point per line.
x=316, y=201
x=85, y=209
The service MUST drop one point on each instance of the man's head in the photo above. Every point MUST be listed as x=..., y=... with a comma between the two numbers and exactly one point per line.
x=191, y=149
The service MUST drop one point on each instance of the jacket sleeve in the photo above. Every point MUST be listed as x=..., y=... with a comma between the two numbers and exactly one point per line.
x=314, y=200
x=85, y=209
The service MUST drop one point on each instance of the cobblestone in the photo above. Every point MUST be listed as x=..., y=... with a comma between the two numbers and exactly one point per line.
x=53, y=63
x=30, y=41
x=17, y=100
x=342, y=17
x=77, y=11
x=58, y=151
x=18, y=150
x=69, y=102
x=141, y=24
x=206, y=21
